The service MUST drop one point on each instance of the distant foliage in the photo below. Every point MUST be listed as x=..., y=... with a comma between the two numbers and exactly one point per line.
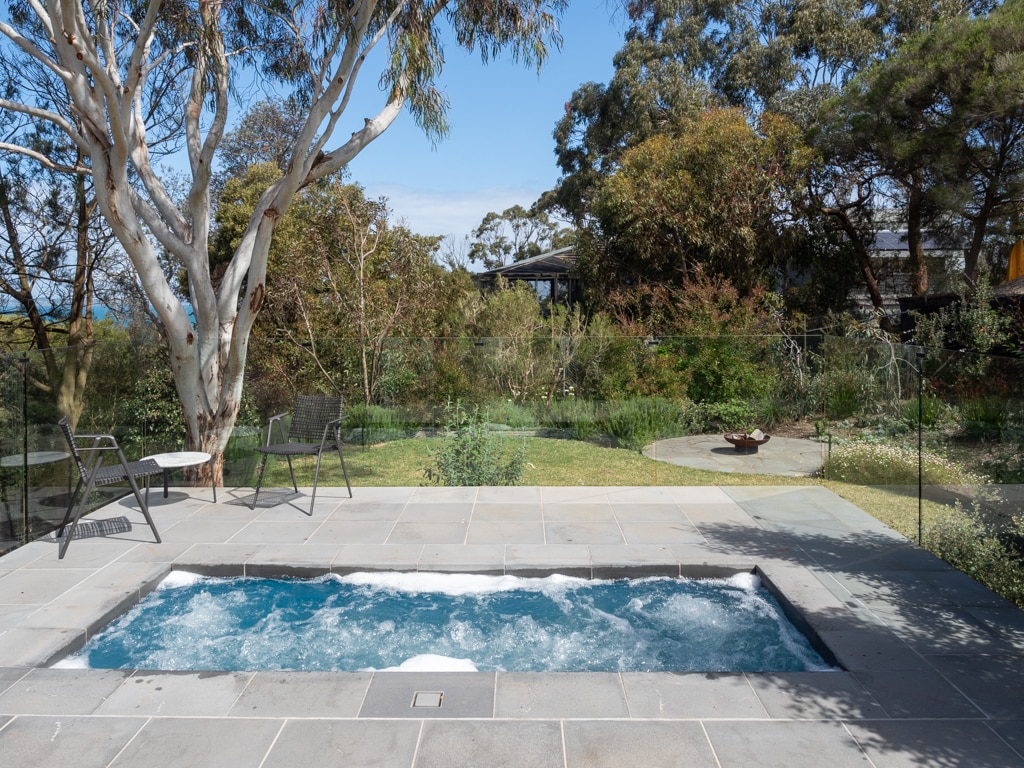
x=469, y=454
x=371, y=424
x=868, y=463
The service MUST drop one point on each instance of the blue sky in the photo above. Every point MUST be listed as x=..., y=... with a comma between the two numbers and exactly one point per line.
x=499, y=151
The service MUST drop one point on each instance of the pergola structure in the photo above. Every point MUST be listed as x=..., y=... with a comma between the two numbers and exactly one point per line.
x=552, y=276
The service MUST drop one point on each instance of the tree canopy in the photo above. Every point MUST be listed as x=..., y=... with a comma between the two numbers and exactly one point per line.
x=711, y=200
x=516, y=234
x=146, y=77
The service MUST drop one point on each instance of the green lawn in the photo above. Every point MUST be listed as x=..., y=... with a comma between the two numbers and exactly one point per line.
x=569, y=462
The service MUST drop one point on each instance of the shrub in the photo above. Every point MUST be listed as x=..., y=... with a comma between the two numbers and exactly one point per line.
x=977, y=549
x=509, y=414
x=867, y=463
x=606, y=364
x=1008, y=465
x=847, y=382
x=152, y=413
x=932, y=410
x=636, y=423
x=732, y=414
x=469, y=454
x=579, y=418
x=984, y=417
x=377, y=425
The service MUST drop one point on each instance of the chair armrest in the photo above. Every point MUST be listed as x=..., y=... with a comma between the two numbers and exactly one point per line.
x=334, y=424
x=96, y=440
x=280, y=427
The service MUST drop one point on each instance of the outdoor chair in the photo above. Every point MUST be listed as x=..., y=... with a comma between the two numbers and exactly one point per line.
x=89, y=452
x=315, y=428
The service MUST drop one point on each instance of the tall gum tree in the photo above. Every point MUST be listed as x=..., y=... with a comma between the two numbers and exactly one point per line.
x=138, y=74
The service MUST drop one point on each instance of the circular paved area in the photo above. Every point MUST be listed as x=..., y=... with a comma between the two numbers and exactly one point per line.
x=779, y=456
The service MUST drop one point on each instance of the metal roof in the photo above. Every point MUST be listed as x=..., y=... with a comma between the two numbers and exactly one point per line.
x=897, y=241
x=550, y=264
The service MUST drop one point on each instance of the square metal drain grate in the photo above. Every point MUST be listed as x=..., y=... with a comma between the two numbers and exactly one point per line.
x=429, y=699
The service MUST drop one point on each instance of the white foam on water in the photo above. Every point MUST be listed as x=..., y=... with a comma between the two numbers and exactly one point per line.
x=750, y=581
x=180, y=579
x=431, y=662
x=73, y=662
x=457, y=584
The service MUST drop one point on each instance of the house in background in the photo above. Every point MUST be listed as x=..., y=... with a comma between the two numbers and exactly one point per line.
x=551, y=275
x=889, y=254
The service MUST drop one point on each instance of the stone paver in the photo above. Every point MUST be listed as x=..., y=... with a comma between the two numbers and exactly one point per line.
x=779, y=456
x=931, y=660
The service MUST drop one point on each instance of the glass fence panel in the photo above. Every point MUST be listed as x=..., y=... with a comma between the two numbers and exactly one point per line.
x=907, y=433
x=14, y=467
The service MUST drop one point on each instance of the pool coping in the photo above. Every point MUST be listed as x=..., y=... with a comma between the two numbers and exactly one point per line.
x=858, y=585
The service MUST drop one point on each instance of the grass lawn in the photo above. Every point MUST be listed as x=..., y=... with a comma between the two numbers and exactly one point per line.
x=570, y=462
x=554, y=462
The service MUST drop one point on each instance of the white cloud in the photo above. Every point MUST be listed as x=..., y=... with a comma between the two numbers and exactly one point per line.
x=449, y=212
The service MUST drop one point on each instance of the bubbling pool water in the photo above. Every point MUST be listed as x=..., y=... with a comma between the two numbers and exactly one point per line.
x=375, y=621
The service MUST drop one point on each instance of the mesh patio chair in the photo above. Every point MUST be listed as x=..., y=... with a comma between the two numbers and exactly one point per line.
x=315, y=425
x=89, y=451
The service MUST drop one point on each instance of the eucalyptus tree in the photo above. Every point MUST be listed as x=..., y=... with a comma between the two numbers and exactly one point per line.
x=55, y=255
x=711, y=201
x=138, y=74
x=516, y=234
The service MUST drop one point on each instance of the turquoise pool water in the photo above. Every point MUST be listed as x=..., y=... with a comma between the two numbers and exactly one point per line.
x=453, y=621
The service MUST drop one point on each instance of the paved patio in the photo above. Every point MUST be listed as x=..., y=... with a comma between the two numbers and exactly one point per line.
x=786, y=456
x=931, y=662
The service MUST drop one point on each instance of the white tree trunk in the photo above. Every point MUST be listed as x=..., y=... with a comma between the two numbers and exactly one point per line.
x=118, y=72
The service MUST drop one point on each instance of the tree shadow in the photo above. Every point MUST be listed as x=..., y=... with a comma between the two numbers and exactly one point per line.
x=932, y=659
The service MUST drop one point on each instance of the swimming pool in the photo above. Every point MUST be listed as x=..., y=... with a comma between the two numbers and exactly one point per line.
x=384, y=621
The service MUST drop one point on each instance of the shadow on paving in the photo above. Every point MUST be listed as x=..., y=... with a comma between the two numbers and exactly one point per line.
x=934, y=658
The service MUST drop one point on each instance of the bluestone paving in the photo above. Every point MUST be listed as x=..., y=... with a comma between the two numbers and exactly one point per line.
x=307, y=694
x=471, y=743
x=184, y=742
x=918, y=743
x=931, y=661
x=782, y=744
x=330, y=742
x=600, y=744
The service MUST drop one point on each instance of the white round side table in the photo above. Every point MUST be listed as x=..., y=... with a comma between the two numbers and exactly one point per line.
x=178, y=459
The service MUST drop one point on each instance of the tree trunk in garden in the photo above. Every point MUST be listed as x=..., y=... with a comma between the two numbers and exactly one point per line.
x=916, y=262
x=154, y=75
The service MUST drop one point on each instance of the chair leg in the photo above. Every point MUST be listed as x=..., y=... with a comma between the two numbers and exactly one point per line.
x=72, y=497
x=144, y=505
x=344, y=469
x=69, y=533
x=259, y=481
x=295, y=485
x=316, y=479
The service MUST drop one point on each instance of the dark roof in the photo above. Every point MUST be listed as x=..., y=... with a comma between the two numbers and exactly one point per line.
x=897, y=241
x=1012, y=288
x=550, y=264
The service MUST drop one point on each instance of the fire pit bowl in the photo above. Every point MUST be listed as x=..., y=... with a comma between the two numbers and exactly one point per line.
x=747, y=442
